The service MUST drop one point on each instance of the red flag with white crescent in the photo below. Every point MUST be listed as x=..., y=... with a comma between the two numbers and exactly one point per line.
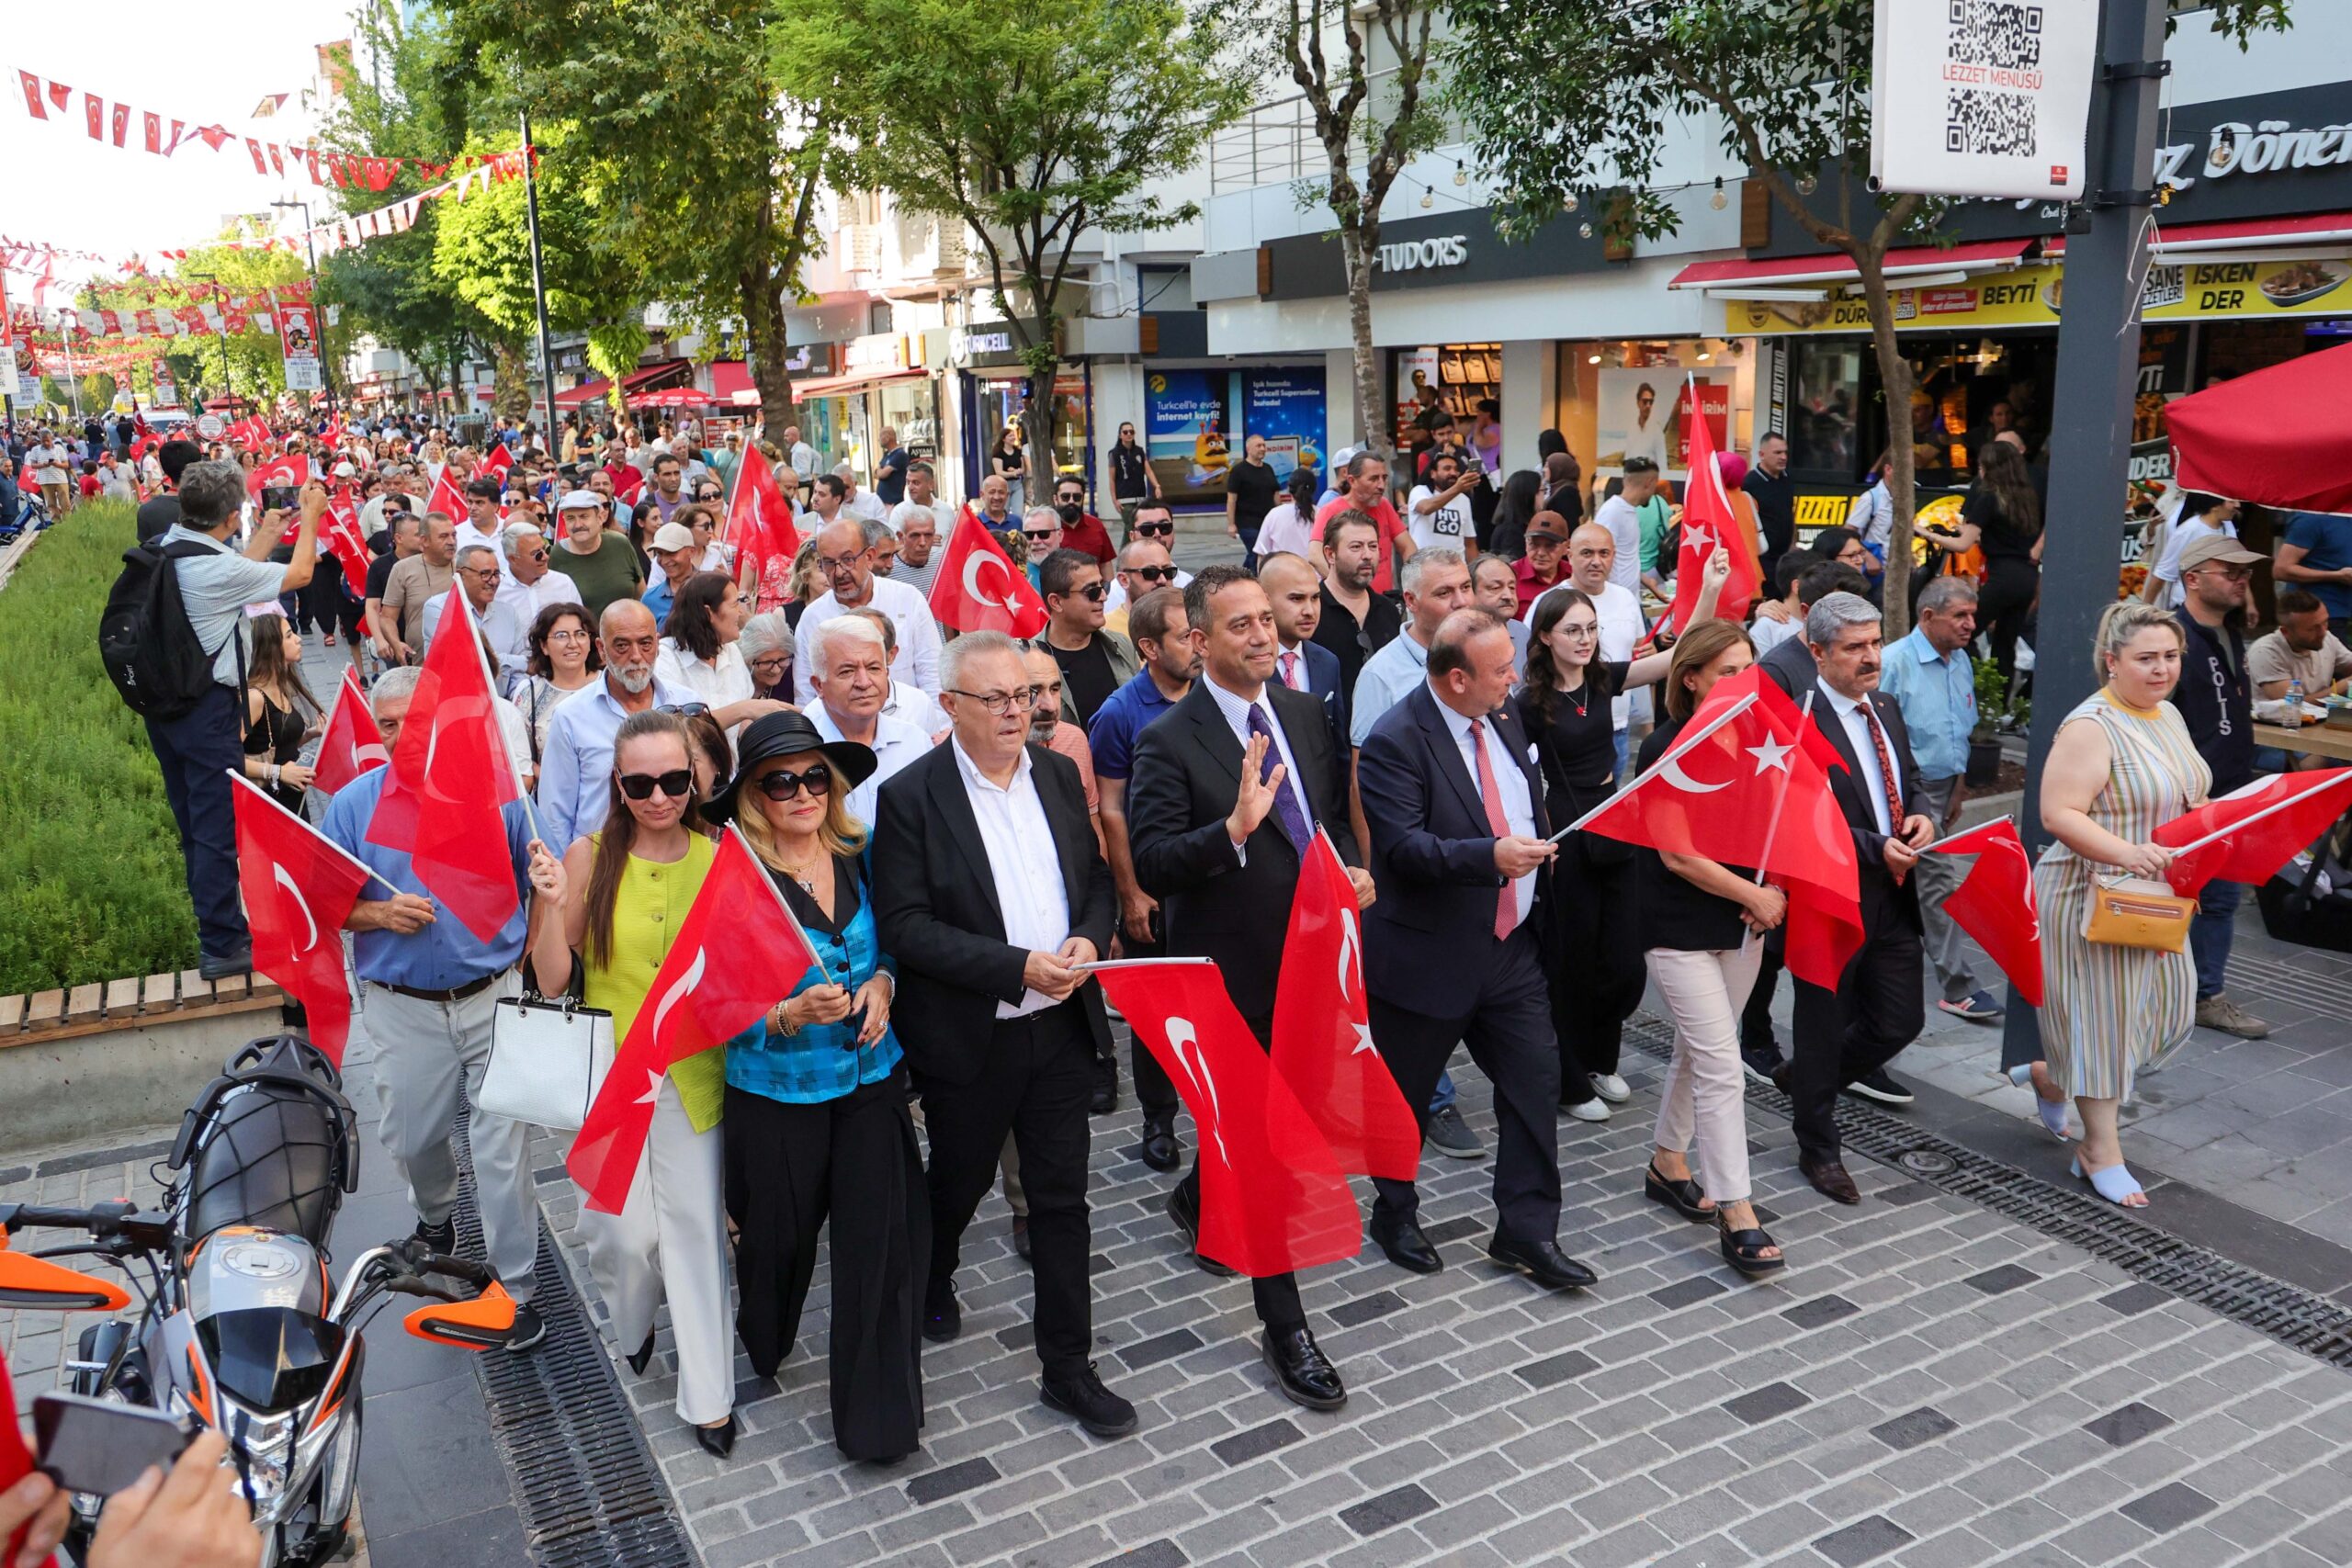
x=1995, y=902
x=738, y=953
x=759, y=519
x=340, y=534
x=500, y=458
x=293, y=470
x=352, y=744
x=1322, y=1040
x=2246, y=835
x=1707, y=524
x=1272, y=1198
x=446, y=498
x=298, y=887
x=980, y=588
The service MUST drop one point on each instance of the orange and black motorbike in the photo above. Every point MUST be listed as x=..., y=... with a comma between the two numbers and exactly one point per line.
x=241, y=1326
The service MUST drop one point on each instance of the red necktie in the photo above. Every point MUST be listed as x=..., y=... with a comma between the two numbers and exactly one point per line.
x=1889, y=781
x=1290, y=671
x=1491, y=794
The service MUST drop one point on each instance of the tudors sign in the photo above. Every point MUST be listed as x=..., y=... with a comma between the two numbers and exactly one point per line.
x=1410, y=255
x=1430, y=253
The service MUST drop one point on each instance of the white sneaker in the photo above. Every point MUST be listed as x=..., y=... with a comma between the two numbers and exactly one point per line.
x=1612, y=1087
x=1588, y=1111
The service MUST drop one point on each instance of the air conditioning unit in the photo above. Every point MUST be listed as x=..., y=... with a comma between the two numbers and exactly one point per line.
x=953, y=256
x=857, y=247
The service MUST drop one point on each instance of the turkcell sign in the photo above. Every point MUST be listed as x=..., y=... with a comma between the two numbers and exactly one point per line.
x=1418, y=255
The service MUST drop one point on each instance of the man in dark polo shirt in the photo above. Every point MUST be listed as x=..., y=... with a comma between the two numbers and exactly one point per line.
x=2216, y=702
x=1356, y=623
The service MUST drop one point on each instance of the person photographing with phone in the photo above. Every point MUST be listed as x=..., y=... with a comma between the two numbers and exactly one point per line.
x=185, y=1518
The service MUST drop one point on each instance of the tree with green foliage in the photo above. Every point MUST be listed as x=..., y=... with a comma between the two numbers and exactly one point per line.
x=249, y=364
x=1035, y=126
x=1568, y=96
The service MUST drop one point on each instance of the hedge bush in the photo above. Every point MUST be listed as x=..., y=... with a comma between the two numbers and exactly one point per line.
x=91, y=881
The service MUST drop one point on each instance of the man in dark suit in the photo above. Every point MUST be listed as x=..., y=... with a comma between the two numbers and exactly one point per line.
x=1226, y=793
x=1876, y=1010
x=1459, y=855
x=1300, y=662
x=989, y=889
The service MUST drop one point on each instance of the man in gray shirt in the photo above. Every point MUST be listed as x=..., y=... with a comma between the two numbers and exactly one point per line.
x=199, y=749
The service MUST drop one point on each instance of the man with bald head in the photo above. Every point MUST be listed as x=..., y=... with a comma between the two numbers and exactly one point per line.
x=1592, y=562
x=845, y=558
x=994, y=508
x=1295, y=590
x=571, y=794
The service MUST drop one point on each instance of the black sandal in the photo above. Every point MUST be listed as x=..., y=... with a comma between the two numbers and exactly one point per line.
x=1685, y=1197
x=1743, y=1249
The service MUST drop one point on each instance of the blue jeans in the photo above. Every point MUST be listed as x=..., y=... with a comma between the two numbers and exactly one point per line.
x=198, y=751
x=1624, y=749
x=2210, y=933
x=1441, y=1102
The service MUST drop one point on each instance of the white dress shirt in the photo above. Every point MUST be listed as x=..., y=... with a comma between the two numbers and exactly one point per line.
x=896, y=743
x=1510, y=779
x=914, y=706
x=1236, y=709
x=1023, y=861
x=1290, y=667
x=917, y=660
x=508, y=633
x=1858, y=725
x=527, y=599
x=718, y=681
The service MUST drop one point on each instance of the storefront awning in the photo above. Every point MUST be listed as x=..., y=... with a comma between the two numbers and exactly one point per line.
x=2275, y=437
x=1744, y=276
x=730, y=382
x=591, y=391
x=2248, y=238
x=856, y=382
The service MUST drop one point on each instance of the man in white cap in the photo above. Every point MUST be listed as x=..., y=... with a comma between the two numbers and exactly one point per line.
x=673, y=554
x=594, y=554
x=531, y=583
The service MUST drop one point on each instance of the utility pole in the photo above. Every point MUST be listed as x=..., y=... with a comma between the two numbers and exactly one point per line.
x=2090, y=431
x=539, y=288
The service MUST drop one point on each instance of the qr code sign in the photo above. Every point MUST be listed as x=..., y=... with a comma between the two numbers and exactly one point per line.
x=1978, y=120
x=2003, y=34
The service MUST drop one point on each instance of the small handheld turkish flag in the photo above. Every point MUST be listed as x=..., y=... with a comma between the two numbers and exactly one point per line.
x=291, y=471
x=759, y=519
x=1707, y=525
x=2249, y=833
x=446, y=498
x=980, y=590
x=1322, y=1043
x=352, y=744
x=297, y=888
x=499, y=460
x=340, y=534
x=738, y=953
x=1272, y=1198
x=1995, y=902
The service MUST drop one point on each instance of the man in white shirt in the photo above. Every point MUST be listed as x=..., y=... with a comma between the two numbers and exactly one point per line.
x=1592, y=559
x=477, y=573
x=1647, y=438
x=864, y=505
x=1438, y=512
x=531, y=584
x=853, y=679
x=47, y=461
x=798, y=453
x=480, y=525
x=1620, y=516
x=845, y=557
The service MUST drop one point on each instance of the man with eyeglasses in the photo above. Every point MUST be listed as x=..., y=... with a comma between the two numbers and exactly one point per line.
x=1095, y=661
x=1356, y=622
x=1154, y=545
x=479, y=576
x=853, y=682
x=579, y=756
x=1081, y=530
x=845, y=558
x=672, y=551
x=1132, y=481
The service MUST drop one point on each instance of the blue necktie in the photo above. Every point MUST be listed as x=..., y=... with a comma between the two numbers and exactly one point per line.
x=1287, y=810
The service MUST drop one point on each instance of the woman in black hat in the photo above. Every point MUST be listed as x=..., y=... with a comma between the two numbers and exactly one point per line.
x=816, y=1120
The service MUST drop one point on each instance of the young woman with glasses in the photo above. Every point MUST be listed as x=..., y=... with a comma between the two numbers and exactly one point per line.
x=563, y=661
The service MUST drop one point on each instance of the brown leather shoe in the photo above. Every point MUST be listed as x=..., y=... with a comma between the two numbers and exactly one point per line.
x=1830, y=1179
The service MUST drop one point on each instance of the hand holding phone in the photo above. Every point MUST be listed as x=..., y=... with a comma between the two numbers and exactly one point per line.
x=103, y=1446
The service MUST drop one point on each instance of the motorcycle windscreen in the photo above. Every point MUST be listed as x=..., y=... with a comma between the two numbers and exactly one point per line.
x=270, y=1358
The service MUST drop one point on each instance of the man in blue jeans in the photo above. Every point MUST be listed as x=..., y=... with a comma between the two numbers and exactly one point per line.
x=199, y=749
x=2216, y=702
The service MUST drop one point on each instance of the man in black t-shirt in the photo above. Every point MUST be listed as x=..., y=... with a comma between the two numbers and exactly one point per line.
x=1356, y=623
x=158, y=516
x=394, y=543
x=1775, y=494
x=1132, y=481
x=1095, y=660
x=2216, y=703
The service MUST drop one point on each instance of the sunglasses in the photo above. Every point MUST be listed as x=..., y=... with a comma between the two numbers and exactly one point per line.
x=1152, y=573
x=1039, y=532
x=641, y=786
x=1094, y=591
x=784, y=783
x=685, y=710
x=1155, y=530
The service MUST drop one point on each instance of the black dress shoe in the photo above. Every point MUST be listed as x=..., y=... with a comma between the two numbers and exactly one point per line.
x=221, y=966
x=1021, y=1237
x=1106, y=1086
x=1301, y=1369
x=943, y=1319
x=642, y=1357
x=1543, y=1262
x=1784, y=1079
x=441, y=1238
x=1405, y=1246
x=1082, y=1394
x=718, y=1441
x=1160, y=1145
x=1188, y=1225
x=1830, y=1179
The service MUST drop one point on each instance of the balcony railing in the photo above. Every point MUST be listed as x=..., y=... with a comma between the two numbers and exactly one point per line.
x=1276, y=143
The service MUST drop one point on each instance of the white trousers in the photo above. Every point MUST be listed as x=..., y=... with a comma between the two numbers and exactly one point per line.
x=1703, y=1099
x=422, y=1050
x=671, y=1236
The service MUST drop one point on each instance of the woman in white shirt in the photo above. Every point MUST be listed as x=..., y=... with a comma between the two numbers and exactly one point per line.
x=1289, y=527
x=700, y=649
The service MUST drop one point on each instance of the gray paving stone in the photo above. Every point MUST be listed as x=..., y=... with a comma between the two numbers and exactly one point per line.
x=1864, y=1540
x=2128, y=1425
x=1763, y=1405
x=1152, y=1554
x=1916, y=1426
x=1388, y=1510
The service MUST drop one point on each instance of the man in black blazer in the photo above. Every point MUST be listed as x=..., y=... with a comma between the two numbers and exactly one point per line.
x=1224, y=797
x=1853, y=1031
x=1300, y=662
x=990, y=892
x=1455, y=808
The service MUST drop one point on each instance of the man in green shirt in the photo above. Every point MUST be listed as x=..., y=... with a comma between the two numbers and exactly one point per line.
x=595, y=556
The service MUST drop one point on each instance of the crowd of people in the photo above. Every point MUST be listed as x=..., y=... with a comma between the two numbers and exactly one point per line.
x=964, y=824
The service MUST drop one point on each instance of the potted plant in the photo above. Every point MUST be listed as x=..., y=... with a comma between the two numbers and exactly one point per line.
x=1983, y=739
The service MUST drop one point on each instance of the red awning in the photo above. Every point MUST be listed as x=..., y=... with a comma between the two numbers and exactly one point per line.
x=1800, y=271
x=856, y=382
x=588, y=391
x=2186, y=241
x=2276, y=437
x=730, y=378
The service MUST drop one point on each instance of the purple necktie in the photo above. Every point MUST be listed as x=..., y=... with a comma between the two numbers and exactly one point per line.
x=1287, y=810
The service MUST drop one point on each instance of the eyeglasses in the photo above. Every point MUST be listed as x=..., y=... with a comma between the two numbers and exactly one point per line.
x=998, y=703
x=641, y=786
x=772, y=661
x=685, y=710
x=570, y=634
x=535, y=557
x=784, y=783
x=483, y=573
x=1151, y=573
x=1155, y=530
x=831, y=564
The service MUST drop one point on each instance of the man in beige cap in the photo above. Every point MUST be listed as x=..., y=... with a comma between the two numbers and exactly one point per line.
x=673, y=554
x=2216, y=702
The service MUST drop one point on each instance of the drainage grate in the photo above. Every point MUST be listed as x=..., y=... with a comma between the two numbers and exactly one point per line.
x=2295, y=1317
x=585, y=1483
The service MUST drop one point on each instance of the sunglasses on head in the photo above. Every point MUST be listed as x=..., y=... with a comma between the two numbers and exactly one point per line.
x=641, y=786
x=784, y=783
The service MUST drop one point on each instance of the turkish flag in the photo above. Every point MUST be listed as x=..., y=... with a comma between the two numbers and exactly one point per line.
x=298, y=886
x=352, y=745
x=1272, y=1198
x=759, y=518
x=1322, y=1044
x=33, y=106
x=500, y=460
x=978, y=588
x=340, y=534
x=154, y=124
x=446, y=497
x=1995, y=902
x=451, y=779
x=94, y=114
x=738, y=953
x=1709, y=525
x=294, y=469
x=2246, y=835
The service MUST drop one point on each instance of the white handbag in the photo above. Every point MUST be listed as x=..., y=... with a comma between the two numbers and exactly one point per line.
x=547, y=1060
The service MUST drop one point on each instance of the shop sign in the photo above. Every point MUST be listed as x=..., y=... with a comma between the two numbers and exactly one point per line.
x=1983, y=97
x=1413, y=255
x=1291, y=410
x=877, y=351
x=990, y=344
x=1645, y=413
x=2034, y=295
x=1427, y=253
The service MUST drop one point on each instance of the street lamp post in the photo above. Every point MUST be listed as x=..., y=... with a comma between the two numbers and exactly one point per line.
x=310, y=250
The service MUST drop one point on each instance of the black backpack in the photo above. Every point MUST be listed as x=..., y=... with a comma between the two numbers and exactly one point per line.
x=145, y=638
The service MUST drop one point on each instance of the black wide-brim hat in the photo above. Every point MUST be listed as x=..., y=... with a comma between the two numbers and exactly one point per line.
x=788, y=735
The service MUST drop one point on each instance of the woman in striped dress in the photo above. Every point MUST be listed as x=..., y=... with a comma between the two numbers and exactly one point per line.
x=2123, y=763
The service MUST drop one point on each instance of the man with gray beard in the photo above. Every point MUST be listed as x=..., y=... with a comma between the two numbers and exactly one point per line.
x=572, y=794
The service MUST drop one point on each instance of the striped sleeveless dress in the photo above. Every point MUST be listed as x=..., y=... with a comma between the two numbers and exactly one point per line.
x=2108, y=1009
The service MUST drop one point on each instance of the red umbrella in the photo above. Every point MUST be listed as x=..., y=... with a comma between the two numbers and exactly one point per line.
x=2279, y=437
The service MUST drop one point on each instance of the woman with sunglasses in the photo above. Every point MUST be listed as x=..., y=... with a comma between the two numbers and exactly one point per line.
x=700, y=651
x=817, y=1121
x=608, y=911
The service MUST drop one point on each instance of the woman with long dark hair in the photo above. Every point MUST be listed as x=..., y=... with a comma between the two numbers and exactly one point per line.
x=280, y=713
x=2007, y=516
x=700, y=649
x=1516, y=505
x=1563, y=488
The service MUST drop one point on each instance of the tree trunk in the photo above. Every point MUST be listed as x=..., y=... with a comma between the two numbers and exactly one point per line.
x=764, y=333
x=1374, y=427
x=1039, y=421
x=511, y=388
x=1894, y=375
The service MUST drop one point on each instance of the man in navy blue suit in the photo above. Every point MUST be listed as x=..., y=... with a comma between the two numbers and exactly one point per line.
x=1301, y=664
x=1460, y=858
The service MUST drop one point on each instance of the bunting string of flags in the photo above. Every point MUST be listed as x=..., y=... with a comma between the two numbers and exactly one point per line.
x=356, y=229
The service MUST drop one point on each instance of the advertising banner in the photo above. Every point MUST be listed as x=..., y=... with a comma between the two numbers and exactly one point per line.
x=2034, y=297
x=1983, y=97
x=167, y=391
x=1290, y=409
x=1185, y=421
x=298, y=336
x=1646, y=413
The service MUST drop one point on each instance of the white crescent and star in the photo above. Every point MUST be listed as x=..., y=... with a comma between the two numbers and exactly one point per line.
x=1184, y=1041
x=678, y=990
x=1771, y=754
x=1672, y=773
x=284, y=879
x=973, y=565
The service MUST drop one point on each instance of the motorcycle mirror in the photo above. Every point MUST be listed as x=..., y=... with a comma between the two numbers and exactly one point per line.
x=481, y=1324
x=28, y=1282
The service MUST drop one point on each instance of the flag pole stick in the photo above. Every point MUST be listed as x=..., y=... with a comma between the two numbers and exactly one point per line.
x=1681, y=749
x=2268, y=811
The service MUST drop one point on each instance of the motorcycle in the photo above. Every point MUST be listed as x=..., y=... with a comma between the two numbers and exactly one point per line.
x=241, y=1326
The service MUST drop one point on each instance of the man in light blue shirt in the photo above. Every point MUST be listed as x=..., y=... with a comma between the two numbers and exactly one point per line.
x=1929, y=676
x=200, y=749
x=573, y=794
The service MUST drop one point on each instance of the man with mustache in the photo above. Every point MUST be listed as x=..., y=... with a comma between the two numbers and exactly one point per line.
x=571, y=795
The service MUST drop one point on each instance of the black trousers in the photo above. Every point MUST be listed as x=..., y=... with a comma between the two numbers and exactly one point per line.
x=1596, y=968
x=1038, y=1087
x=1851, y=1032
x=1510, y=1034
x=1755, y=1019
x=1276, y=1295
x=2009, y=592
x=854, y=1160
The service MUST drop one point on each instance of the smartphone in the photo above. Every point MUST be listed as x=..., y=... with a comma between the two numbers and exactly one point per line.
x=102, y=1446
x=281, y=497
